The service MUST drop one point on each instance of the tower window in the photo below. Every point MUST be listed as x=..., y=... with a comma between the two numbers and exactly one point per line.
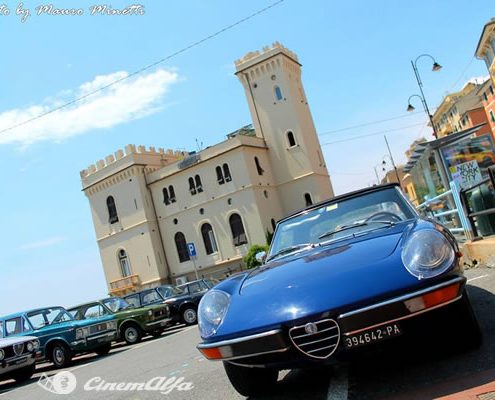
x=278, y=93
x=180, y=243
x=125, y=267
x=172, y=194
x=258, y=166
x=199, y=185
x=112, y=210
x=209, y=239
x=226, y=173
x=291, y=139
x=237, y=229
x=308, y=199
x=220, y=178
x=166, y=197
x=192, y=187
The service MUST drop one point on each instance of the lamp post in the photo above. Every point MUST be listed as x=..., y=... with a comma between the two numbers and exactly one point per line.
x=435, y=67
x=376, y=174
x=391, y=160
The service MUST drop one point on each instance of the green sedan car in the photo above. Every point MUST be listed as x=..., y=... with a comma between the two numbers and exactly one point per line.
x=132, y=323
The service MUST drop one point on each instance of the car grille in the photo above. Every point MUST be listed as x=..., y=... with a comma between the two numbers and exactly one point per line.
x=97, y=328
x=316, y=339
x=14, y=350
x=159, y=313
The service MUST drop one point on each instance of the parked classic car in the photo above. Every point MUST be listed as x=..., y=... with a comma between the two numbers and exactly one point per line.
x=18, y=357
x=60, y=335
x=132, y=323
x=183, y=301
x=340, y=278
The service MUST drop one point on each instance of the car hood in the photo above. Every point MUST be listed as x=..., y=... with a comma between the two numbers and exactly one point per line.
x=10, y=341
x=333, y=278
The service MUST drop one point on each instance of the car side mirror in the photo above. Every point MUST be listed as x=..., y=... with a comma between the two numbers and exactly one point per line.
x=260, y=257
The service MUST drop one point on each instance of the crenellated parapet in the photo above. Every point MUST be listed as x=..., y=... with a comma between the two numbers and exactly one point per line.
x=165, y=156
x=276, y=47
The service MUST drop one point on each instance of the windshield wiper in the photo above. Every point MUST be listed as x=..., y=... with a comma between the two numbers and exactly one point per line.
x=355, y=225
x=290, y=249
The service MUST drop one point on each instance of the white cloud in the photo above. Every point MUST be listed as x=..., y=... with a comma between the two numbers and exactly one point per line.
x=127, y=100
x=51, y=241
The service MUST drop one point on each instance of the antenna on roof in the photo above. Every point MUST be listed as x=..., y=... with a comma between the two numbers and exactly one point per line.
x=199, y=145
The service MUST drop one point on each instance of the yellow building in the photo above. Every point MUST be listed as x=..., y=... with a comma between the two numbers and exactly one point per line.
x=147, y=205
x=486, y=47
x=457, y=110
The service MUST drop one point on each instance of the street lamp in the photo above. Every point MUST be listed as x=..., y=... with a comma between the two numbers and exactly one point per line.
x=436, y=67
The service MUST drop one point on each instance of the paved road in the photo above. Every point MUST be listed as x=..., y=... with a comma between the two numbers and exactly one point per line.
x=173, y=357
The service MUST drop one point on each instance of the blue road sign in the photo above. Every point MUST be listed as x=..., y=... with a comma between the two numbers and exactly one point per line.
x=191, y=249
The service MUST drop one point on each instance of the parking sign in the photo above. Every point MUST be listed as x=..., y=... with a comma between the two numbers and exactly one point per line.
x=191, y=250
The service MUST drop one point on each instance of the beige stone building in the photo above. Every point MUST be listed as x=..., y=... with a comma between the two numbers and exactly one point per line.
x=148, y=204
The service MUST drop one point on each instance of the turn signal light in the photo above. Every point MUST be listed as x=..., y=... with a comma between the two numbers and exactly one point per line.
x=432, y=299
x=212, y=353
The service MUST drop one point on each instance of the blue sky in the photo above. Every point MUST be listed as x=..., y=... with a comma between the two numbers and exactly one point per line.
x=356, y=69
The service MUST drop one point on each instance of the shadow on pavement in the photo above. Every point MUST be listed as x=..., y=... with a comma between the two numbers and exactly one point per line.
x=301, y=384
x=430, y=373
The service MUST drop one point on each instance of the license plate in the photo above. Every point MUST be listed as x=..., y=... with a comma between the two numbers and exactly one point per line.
x=163, y=323
x=372, y=336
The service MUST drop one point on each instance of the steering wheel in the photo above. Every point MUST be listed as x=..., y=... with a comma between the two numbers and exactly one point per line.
x=385, y=214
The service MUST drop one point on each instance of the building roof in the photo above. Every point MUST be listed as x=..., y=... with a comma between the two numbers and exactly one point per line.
x=487, y=30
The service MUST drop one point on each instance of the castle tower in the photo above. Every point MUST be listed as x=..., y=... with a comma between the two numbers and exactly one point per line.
x=281, y=116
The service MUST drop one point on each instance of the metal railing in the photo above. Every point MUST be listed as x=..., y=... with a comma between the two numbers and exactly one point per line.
x=125, y=283
x=447, y=209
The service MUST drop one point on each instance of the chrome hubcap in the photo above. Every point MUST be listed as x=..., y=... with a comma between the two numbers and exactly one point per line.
x=131, y=334
x=190, y=316
x=59, y=355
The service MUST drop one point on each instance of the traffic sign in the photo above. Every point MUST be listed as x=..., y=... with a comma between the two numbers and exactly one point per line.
x=191, y=249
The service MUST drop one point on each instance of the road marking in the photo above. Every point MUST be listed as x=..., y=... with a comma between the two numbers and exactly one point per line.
x=138, y=346
x=339, y=384
x=477, y=277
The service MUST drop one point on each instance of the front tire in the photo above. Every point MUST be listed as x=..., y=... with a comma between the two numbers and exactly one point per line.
x=251, y=381
x=467, y=325
x=189, y=315
x=60, y=355
x=132, y=333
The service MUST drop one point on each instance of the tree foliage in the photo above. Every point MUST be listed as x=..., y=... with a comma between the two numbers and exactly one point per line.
x=250, y=258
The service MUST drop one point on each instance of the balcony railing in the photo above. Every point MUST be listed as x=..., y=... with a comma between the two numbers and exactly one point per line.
x=125, y=284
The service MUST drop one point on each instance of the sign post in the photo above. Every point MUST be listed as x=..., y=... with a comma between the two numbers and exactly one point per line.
x=191, y=249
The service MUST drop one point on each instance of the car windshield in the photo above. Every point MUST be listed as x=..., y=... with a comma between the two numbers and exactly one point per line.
x=332, y=221
x=48, y=316
x=169, y=291
x=116, y=304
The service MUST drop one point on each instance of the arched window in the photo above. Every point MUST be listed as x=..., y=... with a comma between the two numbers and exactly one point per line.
x=125, y=267
x=226, y=173
x=308, y=199
x=209, y=239
x=180, y=243
x=166, y=198
x=112, y=210
x=258, y=166
x=274, y=225
x=199, y=186
x=220, y=178
x=192, y=186
x=237, y=228
x=172, y=194
x=290, y=139
x=278, y=93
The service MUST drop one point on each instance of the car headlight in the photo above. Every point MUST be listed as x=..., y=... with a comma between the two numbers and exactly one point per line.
x=36, y=345
x=150, y=313
x=427, y=253
x=111, y=325
x=212, y=310
x=81, y=333
x=2, y=354
x=29, y=346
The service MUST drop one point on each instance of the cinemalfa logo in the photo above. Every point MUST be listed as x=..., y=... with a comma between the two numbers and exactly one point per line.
x=63, y=382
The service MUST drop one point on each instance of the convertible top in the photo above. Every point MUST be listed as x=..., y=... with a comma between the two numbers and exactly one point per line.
x=341, y=197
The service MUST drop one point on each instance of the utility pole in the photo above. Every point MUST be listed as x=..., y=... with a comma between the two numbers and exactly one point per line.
x=392, y=160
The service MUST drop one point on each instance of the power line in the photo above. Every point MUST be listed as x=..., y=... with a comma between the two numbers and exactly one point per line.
x=139, y=71
x=369, y=123
x=373, y=134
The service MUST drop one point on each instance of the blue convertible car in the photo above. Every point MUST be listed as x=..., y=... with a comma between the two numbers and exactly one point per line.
x=340, y=276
